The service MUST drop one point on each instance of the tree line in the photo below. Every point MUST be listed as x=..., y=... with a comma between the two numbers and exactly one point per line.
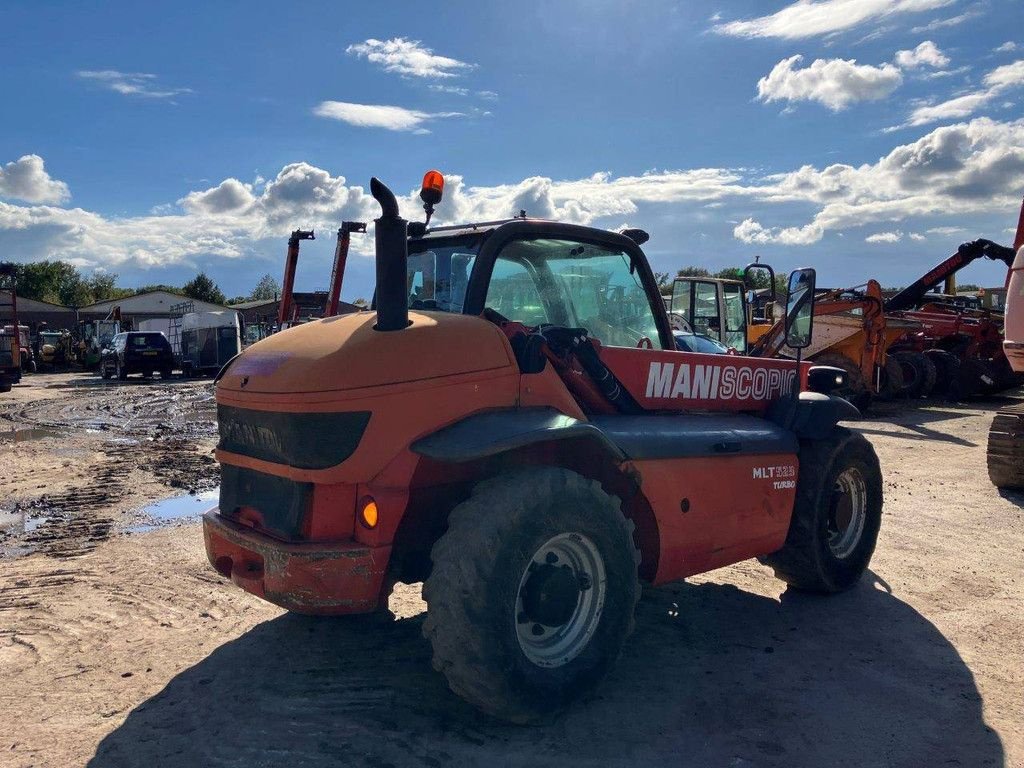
x=58, y=282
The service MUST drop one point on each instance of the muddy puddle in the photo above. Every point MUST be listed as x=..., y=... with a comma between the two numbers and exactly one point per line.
x=13, y=527
x=183, y=508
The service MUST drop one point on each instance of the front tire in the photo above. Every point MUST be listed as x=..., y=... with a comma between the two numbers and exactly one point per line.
x=836, y=517
x=532, y=592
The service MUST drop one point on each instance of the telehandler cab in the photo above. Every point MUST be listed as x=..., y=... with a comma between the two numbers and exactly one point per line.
x=513, y=427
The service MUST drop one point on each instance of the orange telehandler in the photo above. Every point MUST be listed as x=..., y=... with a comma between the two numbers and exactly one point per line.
x=513, y=426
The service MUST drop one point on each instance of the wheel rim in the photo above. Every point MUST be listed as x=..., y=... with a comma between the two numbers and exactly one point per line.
x=560, y=600
x=848, y=511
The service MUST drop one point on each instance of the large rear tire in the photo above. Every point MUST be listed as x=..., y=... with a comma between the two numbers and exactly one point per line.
x=892, y=379
x=532, y=592
x=1006, y=449
x=918, y=373
x=836, y=517
x=968, y=381
x=947, y=368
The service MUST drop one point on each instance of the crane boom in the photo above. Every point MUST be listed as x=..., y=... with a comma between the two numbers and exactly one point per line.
x=911, y=296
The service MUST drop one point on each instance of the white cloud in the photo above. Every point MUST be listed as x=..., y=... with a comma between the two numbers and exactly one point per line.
x=954, y=171
x=917, y=236
x=953, y=21
x=997, y=82
x=408, y=58
x=452, y=89
x=750, y=231
x=926, y=54
x=836, y=83
x=1006, y=76
x=945, y=231
x=26, y=179
x=884, y=237
x=378, y=115
x=230, y=196
x=810, y=18
x=131, y=83
x=1008, y=47
x=488, y=95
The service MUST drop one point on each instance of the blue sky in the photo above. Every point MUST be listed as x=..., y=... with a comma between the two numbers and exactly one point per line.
x=155, y=139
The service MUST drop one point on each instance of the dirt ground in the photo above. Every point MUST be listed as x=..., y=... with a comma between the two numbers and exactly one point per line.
x=119, y=646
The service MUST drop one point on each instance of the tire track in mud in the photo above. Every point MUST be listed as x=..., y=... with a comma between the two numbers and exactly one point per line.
x=78, y=519
x=146, y=426
x=185, y=410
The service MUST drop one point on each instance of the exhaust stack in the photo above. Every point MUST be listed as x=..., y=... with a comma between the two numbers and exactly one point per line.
x=392, y=254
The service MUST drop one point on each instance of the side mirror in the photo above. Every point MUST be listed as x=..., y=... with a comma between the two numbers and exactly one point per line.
x=800, y=308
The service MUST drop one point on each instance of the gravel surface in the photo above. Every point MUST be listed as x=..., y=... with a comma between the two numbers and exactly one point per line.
x=127, y=649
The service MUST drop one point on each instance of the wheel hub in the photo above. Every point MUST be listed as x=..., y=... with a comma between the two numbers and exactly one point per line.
x=847, y=513
x=560, y=600
x=551, y=594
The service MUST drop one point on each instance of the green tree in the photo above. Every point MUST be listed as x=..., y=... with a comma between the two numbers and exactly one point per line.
x=202, y=288
x=158, y=287
x=103, y=287
x=693, y=272
x=50, y=281
x=267, y=288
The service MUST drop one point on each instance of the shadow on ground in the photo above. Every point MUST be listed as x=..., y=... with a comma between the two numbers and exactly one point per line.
x=712, y=676
x=916, y=416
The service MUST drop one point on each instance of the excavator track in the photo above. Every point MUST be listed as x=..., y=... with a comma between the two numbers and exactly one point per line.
x=1006, y=448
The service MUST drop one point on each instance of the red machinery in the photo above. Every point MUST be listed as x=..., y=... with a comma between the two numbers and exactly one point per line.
x=967, y=343
x=286, y=309
x=473, y=434
x=287, y=313
x=340, y=257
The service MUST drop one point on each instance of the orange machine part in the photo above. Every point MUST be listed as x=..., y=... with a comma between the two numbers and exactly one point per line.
x=712, y=512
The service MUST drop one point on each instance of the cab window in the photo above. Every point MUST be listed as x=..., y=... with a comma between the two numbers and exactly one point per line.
x=437, y=278
x=735, y=317
x=573, y=284
x=705, y=310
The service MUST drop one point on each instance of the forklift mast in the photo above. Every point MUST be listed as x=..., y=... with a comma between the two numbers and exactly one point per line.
x=340, y=257
x=285, y=309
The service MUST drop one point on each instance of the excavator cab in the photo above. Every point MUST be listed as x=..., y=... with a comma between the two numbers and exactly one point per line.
x=712, y=307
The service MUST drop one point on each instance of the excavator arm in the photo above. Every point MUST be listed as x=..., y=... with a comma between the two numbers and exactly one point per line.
x=967, y=253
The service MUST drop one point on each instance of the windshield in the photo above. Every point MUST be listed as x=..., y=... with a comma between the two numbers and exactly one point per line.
x=538, y=280
x=574, y=284
x=148, y=340
x=437, y=277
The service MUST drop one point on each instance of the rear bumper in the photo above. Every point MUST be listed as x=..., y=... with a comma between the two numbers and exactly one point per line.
x=313, y=578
